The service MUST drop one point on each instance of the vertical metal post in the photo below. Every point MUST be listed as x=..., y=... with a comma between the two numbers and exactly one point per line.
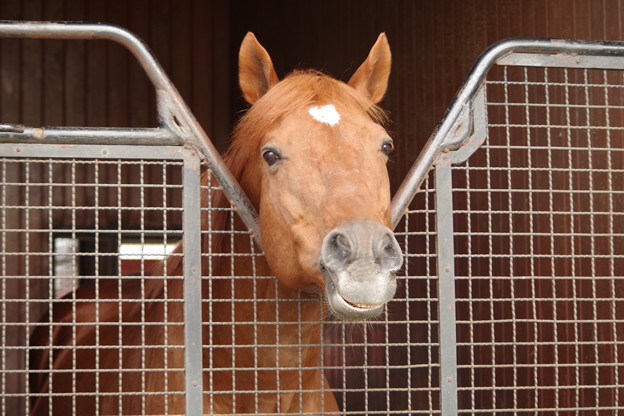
x=446, y=291
x=192, y=286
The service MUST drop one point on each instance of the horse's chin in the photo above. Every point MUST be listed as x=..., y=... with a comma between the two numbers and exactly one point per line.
x=350, y=311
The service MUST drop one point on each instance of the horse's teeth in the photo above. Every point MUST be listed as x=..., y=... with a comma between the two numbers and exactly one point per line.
x=362, y=305
x=365, y=306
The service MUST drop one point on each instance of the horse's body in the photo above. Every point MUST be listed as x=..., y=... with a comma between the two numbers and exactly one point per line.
x=116, y=392
x=310, y=131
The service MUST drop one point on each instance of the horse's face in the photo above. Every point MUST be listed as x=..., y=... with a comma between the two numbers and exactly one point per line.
x=320, y=182
x=325, y=199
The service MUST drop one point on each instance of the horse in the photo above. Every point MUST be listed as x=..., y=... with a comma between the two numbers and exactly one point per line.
x=311, y=155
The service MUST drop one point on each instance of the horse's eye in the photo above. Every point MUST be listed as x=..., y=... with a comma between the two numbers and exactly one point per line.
x=387, y=147
x=271, y=156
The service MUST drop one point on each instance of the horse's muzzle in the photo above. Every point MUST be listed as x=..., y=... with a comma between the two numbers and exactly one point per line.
x=359, y=260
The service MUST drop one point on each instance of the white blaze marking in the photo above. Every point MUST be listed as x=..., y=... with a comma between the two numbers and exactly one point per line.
x=326, y=114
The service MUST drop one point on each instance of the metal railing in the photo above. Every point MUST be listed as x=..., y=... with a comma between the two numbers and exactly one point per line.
x=510, y=300
x=177, y=123
x=528, y=165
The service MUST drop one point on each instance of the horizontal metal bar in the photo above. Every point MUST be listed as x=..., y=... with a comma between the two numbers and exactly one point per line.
x=497, y=52
x=562, y=61
x=82, y=151
x=92, y=136
x=87, y=31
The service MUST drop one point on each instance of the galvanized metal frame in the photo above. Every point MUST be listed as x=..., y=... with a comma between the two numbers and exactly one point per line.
x=178, y=126
x=179, y=136
x=177, y=123
x=191, y=238
x=462, y=131
x=533, y=52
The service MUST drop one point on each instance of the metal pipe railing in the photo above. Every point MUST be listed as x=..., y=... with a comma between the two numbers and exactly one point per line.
x=174, y=115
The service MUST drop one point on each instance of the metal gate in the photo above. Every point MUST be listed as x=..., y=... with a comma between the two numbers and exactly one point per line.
x=529, y=196
x=510, y=301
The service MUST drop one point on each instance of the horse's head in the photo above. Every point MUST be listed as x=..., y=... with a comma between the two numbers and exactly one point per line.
x=312, y=156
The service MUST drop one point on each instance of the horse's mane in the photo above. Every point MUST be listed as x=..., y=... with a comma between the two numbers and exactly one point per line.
x=301, y=89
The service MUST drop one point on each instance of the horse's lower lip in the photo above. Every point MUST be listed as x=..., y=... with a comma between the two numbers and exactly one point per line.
x=363, y=306
x=344, y=308
x=354, y=311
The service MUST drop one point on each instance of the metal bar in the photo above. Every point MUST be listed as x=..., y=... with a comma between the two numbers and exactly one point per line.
x=27, y=150
x=562, y=61
x=173, y=112
x=89, y=31
x=446, y=290
x=192, y=288
x=93, y=136
x=425, y=160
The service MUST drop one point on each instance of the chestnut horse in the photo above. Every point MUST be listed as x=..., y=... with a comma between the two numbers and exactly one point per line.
x=311, y=155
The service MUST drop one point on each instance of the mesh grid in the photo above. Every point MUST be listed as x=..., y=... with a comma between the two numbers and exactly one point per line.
x=100, y=362
x=539, y=223
x=267, y=334
x=539, y=236
x=68, y=292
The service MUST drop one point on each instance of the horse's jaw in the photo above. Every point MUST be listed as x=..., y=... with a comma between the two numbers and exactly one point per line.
x=359, y=261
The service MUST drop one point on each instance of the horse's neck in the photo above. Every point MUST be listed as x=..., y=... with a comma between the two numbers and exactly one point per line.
x=251, y=322
x=258, y=297
x=257, y=323
x=241, y=289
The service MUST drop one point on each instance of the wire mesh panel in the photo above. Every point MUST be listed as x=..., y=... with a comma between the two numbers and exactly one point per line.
x=539, y=245
x=270, y=350
x=93, y=321
x=131, y=286
x=90, y=322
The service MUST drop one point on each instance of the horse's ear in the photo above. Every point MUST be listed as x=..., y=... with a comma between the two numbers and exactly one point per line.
x=255, y=69
x=371, y=78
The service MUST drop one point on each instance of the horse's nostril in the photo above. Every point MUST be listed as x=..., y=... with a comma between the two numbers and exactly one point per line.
x=339, y=247
x=359, y=259
x=342, y=241
x=391, y=257
x=361, y=242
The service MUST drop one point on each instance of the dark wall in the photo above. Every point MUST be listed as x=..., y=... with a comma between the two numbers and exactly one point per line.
x=93, y=83
x=434, y=44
